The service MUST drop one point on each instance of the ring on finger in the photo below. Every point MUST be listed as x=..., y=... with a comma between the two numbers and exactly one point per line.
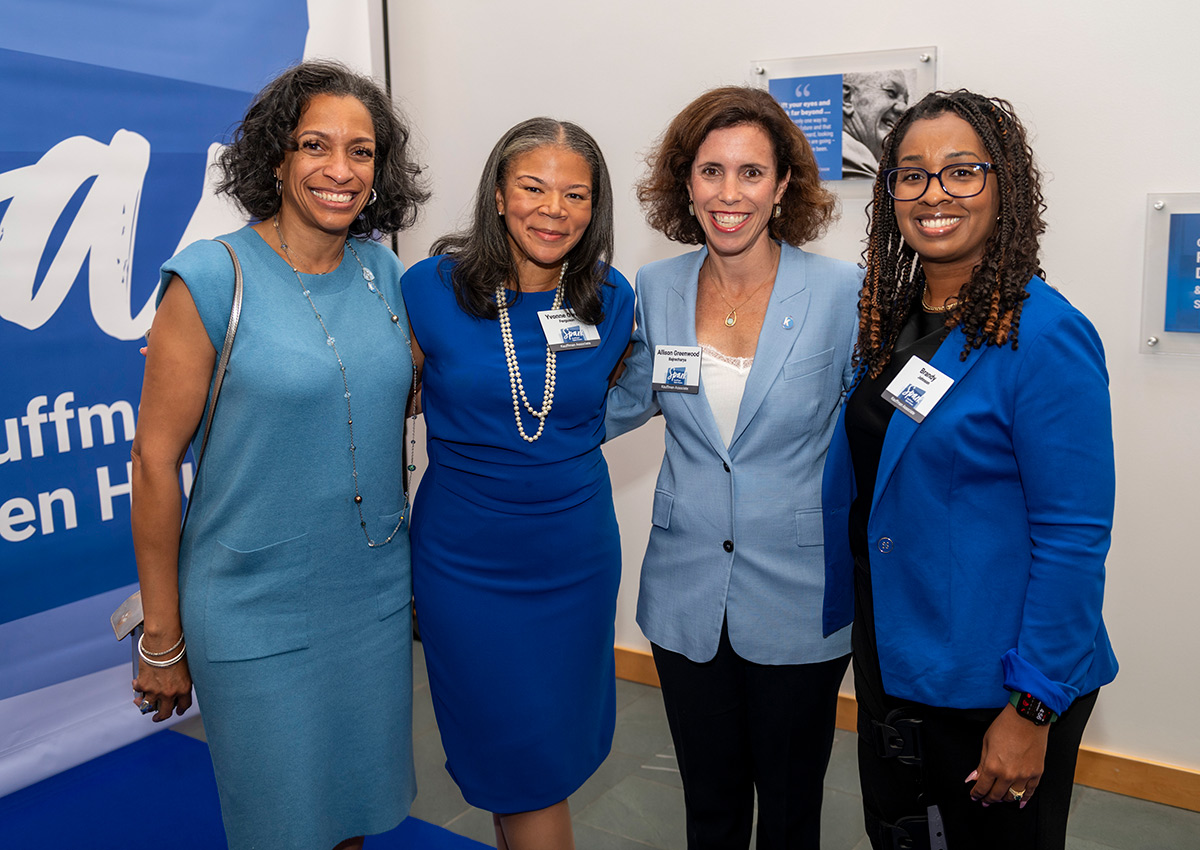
x=146, y=707
x=1016, y=795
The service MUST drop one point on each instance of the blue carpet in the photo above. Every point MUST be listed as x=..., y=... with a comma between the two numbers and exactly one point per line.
x=103, y=805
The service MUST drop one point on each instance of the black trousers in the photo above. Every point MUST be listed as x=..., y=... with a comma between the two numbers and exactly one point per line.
x=741, y=727
x=951, y=741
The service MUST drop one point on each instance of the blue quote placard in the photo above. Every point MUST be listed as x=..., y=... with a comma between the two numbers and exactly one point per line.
x=1183, y=274
x=815, y=105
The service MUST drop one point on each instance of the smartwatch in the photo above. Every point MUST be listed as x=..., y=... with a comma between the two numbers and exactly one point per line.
x=1032, y=708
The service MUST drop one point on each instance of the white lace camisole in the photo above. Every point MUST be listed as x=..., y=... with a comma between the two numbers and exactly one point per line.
x=724, y=380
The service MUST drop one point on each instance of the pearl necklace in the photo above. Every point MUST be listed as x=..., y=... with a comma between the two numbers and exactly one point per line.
x=369, y=277
x=514, y=370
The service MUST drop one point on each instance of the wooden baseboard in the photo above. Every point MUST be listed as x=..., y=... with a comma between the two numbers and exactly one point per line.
x=1147, y=780
x=635, y=665
x=1168, y=784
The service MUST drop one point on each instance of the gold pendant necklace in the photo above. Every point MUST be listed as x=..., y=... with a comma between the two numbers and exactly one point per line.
x=731, y=316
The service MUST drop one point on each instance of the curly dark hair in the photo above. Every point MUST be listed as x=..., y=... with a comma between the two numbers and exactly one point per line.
x=264, y=135
x=808, y=208
x=989, y=305
x=482, y=252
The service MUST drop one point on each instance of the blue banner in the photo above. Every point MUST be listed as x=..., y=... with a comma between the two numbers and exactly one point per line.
x=113, y=113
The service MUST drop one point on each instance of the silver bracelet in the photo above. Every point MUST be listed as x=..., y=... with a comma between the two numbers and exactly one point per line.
x=174, y=647
x=155, y=663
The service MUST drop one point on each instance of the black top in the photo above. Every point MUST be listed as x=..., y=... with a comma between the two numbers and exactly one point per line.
x=868, y=414
x=867, y=418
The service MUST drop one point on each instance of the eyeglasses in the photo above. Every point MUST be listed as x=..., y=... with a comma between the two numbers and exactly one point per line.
x=958, y=180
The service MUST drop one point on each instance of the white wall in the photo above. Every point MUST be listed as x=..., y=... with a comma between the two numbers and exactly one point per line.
x=1106, y=88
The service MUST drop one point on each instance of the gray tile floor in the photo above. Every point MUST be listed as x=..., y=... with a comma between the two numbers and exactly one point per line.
x=635, y=800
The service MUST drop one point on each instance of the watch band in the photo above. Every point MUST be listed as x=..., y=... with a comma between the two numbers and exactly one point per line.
x=1032, y=708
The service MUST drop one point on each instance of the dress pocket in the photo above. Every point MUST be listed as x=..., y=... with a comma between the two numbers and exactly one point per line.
x=810, y=530
x=662, y=509
x=256, y=603
x=393, y=568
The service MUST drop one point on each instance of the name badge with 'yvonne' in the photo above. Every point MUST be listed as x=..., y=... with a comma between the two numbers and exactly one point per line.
x=917, y=389
x=676, y=369
x=565, y=331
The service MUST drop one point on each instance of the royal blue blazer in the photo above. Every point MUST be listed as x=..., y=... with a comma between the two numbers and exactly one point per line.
x=990, y=522
x=736, y=532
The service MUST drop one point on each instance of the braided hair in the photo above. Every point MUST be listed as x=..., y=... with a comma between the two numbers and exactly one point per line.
x=989, y=305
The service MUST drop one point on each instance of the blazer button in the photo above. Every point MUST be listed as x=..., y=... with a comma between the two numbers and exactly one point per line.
x=885, y=544
x=728, y=545
x=725, y=465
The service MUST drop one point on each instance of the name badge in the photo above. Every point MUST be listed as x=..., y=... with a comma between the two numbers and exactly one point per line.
x=917, y=389
x=676, y=369
x=564, y=330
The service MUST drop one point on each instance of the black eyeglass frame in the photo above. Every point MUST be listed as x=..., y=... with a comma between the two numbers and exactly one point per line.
x=887, y=173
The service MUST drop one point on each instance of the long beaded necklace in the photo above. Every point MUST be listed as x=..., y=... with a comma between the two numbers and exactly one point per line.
x=369, y=277
x=514, y=370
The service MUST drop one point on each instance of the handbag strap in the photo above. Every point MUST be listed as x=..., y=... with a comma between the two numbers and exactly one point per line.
x=235, y=313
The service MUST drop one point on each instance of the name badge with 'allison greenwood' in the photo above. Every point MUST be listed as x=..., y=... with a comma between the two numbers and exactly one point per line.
x=676, y=369
x=564, y=330
x=917, y=389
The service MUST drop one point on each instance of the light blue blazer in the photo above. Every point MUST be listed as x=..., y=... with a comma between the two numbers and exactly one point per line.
x=736, y=531
x=990, y=523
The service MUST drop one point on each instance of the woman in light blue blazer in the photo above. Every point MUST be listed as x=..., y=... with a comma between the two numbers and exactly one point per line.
x=744, y=346
x=973, y=470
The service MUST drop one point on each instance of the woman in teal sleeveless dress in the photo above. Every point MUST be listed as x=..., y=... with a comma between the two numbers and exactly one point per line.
x=290, y=586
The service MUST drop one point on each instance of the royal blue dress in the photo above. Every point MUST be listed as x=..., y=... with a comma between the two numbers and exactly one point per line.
x=299, y=635
x=515, y=547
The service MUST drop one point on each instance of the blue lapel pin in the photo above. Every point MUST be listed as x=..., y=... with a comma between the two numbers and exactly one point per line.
x=788, y=321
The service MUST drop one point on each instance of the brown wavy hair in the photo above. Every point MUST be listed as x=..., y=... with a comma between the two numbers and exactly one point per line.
x=989, y=305
x=808, y=208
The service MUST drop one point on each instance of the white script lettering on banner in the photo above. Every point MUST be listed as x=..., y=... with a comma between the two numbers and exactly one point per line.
x=102, y=233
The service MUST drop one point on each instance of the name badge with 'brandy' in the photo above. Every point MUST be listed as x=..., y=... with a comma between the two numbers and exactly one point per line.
x=917, y=389
x=565, y=331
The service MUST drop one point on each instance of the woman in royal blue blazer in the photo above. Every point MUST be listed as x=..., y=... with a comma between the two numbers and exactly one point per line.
x=973, y=469
x=744, y=346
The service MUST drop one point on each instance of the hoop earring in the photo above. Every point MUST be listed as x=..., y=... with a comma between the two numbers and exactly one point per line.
x=278, y=186
x=374, y=197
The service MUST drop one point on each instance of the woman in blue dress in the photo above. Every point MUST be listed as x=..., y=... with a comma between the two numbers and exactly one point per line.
x=291, y=580
x=520, y=321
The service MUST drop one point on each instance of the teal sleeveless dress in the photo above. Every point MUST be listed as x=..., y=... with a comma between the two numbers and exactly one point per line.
x=299, y=634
